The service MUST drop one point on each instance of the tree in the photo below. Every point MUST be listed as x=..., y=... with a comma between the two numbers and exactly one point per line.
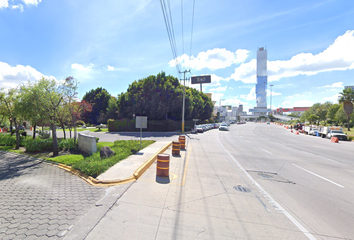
x=30, y=105
x=10, y=106
x=99, y=98
x=312, y=118
x=160, y=97
x=347, y=98
x=331, y=113
x=53, y=94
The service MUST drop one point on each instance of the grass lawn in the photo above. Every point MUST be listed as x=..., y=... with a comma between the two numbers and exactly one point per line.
x=349, y=133
x=92, y=165
x=91, y=129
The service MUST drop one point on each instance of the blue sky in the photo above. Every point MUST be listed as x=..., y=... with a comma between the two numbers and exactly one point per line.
x=111, y=43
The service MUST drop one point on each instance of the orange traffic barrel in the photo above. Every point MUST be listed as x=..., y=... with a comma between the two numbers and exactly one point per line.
x=176, y=148
x=163, y=165
x=182, y=140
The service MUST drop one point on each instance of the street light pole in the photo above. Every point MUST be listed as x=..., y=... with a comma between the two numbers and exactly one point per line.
x=184, y=96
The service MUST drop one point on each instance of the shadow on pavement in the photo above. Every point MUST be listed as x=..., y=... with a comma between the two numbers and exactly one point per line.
x=163, y=180
x=12, y=166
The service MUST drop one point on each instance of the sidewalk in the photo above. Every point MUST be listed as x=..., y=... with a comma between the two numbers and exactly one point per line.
x=127, y=167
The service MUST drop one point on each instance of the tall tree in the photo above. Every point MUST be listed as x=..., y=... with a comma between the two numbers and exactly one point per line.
x=10, y=105
x=99, y=98
x=160, y=97
x=331, y=114
x=347, y=98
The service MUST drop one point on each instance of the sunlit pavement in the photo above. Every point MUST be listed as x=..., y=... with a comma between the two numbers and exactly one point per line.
x=39, y=200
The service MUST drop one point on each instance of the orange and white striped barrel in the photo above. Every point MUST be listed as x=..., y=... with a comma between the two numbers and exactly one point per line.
x=163, y=165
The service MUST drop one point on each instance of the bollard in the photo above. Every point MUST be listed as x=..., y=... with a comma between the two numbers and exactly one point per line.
x=297, y=133
x=176, y=146
x=163, y=165
x=182, y=140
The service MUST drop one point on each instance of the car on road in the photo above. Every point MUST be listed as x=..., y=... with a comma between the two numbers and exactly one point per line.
x=224, y=127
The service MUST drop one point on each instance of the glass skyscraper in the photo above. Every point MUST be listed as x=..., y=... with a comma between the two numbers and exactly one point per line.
x=262, y=82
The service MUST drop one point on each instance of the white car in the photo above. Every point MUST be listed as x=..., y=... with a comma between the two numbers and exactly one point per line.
x=223, y=127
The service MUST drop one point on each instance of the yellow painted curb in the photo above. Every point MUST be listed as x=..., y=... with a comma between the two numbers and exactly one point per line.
x=107, y=183
x=140, y=171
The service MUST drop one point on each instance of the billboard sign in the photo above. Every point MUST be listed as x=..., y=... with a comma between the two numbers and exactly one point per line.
x=201, y=79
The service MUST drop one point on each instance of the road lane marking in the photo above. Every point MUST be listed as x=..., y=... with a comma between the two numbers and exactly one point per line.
x=276, y=205
x=266, y=151
x=248, y=141
x=318, y=176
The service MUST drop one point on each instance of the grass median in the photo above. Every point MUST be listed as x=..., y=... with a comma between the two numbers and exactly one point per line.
x=94, y=165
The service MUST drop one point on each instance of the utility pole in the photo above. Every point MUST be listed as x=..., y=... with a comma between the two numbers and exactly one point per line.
x=184, y=96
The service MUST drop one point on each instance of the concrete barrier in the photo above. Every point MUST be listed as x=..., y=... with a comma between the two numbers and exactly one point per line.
x=86, y=143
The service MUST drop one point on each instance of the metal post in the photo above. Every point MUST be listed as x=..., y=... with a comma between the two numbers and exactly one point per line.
x=201, y=88
x=184, y=97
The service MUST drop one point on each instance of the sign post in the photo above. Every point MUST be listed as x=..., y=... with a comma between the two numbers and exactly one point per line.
x=195, y=122
x=141, y=122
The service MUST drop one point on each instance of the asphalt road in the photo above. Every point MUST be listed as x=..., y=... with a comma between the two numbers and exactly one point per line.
x=256, y=181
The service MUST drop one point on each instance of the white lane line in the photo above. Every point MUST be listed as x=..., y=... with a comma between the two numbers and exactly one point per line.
x=266, y=151
x=322, y=157
x=318, y=176
x=276, y=205
x=248, y=141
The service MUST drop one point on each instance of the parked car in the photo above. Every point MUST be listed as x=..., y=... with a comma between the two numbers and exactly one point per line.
x=200, y=129
x=337, y=133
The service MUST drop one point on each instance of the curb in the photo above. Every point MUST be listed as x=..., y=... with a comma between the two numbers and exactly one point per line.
x=108, y=183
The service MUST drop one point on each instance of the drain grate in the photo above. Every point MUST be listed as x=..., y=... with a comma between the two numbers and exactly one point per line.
x=265, y=175
x=242, y=189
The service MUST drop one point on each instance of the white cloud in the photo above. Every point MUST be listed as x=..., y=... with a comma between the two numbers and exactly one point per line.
x=110, y=68
x=246, y=72
x=333, y=99
x=81, y=67
x=12, y=76
x=338, y=56
x=4, y=3
x=216, y=97
x=334, y=85
x=298, y=103
x=250, y=96
x=32, y=2
x=20, y=6
x=216, y=58
x=218, y=89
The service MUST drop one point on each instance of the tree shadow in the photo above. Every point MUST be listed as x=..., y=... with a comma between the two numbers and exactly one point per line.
x=12, y=166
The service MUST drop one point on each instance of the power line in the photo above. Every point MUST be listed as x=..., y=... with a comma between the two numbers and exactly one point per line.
x=166, y=10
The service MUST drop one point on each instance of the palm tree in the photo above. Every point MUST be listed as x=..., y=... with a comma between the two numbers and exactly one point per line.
x=347, y=98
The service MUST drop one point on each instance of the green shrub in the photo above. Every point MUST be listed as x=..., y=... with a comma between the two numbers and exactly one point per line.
x=7, y=140
x=44, y=134
x=23, y=133
x=39, y=145
x=66, y=144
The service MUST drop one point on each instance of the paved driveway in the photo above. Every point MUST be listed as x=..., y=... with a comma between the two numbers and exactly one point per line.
x=39, y=200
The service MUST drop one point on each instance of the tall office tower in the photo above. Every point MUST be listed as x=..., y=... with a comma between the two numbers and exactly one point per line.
x=262, y=78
